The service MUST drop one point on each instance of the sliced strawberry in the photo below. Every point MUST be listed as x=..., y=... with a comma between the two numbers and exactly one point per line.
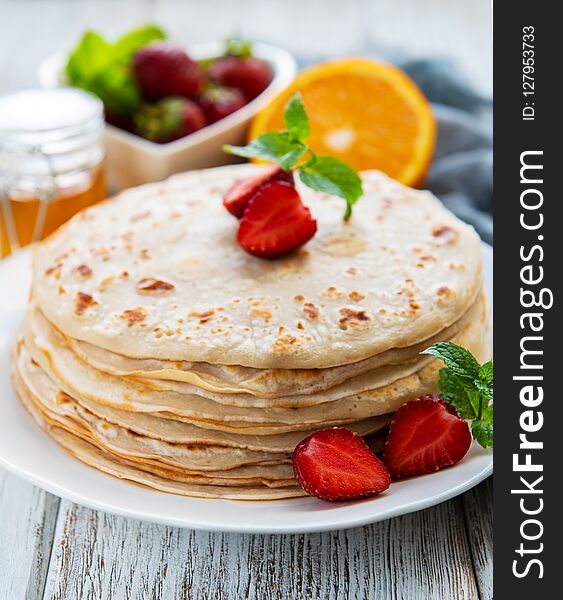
x=426, y=435
x=275, y=221
x=337, y=464
x=236, y=199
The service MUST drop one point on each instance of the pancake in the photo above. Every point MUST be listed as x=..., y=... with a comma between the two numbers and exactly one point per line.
x=176, y=432
x=79, y=380
x=157, y=351
x=156, y=273
x=210, y=380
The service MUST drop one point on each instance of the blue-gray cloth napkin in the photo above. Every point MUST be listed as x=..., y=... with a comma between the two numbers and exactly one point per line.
x=461, y=174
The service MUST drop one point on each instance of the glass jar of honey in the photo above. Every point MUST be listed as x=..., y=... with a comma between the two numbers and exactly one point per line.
x=51, y=161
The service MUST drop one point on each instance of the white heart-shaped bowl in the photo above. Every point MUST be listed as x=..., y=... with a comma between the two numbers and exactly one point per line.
x=132, y=160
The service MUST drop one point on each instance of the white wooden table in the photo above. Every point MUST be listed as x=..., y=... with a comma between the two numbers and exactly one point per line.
x=51, y=548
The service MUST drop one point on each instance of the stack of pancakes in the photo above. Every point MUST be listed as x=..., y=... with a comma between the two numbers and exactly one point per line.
x=155, y=349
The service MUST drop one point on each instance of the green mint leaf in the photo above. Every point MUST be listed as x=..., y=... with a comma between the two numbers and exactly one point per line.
x=482, y=431
x=486, y=372
x=452, y=389
x=474, y=398
x=296, y=120
x=485, y=390
x=332, y=176
x=488, y=414
x=275, y=146
x=468, y=386
x=289, y=160
x=456, y=358
x=91, y=55
x=126, y=46
x=104, y=69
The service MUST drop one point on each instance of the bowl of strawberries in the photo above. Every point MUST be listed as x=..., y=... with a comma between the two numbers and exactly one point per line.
x=169, y=107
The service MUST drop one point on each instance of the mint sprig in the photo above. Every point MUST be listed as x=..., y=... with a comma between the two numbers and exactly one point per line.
x=104, y=69
x=288, y=148
x=468, y=387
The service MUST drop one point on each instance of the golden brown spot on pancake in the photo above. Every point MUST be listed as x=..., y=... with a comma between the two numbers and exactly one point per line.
x=298, y=298
x=64, y=255
x=352, y=271
x=145, y=254
x=82, y=302
x=444, y=293
x=105, y=283
x=83, y=271
x=354, y=318
x=102, y=253
x=445, y=234
x=456, y=267
x=61, y=398
x=134, y=316
x=382, y=311
x=61, y=290
x=140, y=216
x=414, y=305
x=311, y=310
x=261, y=314
x=300, y=325
x=346, y=243
x=55, y=270
x=154, y=287
x=204, y=316
x=428, y=257
x=285, y=343
x=332, y=293
x=356, y=296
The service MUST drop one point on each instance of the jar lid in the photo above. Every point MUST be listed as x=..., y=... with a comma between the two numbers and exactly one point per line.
x=49, y=132
x=37, y=116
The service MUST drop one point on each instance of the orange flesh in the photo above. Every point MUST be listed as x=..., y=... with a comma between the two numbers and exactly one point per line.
x=365, y=113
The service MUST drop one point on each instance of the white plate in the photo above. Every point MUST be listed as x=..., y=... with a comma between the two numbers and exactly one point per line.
x=30, y=453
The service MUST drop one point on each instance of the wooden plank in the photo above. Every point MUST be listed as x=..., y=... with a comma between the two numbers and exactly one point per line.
x=478, y=507
x=423, y=555
x=27, y=524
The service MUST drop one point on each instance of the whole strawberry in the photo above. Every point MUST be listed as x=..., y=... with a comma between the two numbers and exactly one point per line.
x=169, y=119
x=218, y=102
x=162, y=69
x=248, y=74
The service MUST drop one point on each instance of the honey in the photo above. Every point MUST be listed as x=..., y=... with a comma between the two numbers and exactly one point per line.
x=51, y=162
x=31, y=221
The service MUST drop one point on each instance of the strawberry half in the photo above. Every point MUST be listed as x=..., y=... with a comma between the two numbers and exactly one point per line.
x=236, y=199
x=275, y=221
x=426, y=435
x=337, y=464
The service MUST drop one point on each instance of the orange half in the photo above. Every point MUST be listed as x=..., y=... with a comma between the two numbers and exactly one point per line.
x=366, y=113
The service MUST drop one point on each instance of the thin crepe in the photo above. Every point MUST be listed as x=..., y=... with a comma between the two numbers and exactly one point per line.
x=265, y=384
x=156, y=273
x=81, y=381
